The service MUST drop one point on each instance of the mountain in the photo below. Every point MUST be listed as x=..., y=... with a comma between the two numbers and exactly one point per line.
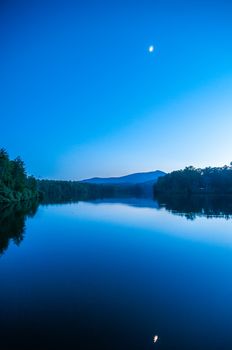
x=131, y=179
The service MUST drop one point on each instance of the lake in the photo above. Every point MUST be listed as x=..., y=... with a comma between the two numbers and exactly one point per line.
x=114, y=274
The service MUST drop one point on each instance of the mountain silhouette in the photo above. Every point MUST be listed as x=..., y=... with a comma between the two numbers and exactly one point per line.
x=131, y=179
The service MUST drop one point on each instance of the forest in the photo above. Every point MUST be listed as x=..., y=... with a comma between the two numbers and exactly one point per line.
x=57, y=191
x=15, y=184
x=192, y=180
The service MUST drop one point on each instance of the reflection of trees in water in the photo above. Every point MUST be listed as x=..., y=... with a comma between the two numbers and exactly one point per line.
x=12, y=222
x=58, y=192
x=13, y=217
x=193, y=206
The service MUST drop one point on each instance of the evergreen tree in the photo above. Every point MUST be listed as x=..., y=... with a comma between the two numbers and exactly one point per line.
x=15, y=185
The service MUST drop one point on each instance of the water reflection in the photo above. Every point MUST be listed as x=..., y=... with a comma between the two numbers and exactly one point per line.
x=12, y=222
x=12, y=217
x=189, y=207
x=195, y=206
x=155, y=339
x=138, y=202
x=91, y=275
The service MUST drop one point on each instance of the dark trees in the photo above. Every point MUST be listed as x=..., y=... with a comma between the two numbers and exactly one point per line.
x=191, y=180
x=15, y=185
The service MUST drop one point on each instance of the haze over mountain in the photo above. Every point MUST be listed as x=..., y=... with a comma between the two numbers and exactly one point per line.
x=136, y=178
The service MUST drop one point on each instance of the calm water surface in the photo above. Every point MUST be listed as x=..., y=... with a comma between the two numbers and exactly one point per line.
x=112, y=276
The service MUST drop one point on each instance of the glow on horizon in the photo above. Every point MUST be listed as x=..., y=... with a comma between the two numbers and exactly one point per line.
x=82, y=96
x=142, y=146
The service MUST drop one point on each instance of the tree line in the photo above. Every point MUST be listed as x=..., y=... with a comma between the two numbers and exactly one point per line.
x=192, y=180
x=56, y=191
x=15, y=184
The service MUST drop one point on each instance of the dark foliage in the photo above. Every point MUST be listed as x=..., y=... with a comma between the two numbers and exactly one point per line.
x=15, y=185
x=52, y=191
x=196, y=181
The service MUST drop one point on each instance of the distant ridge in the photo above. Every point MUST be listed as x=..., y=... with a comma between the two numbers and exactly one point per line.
x=136, y=178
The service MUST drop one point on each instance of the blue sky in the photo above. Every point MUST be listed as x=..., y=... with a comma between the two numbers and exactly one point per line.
x=81, y=95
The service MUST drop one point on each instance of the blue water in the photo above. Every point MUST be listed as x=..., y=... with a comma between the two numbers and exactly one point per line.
x=113, y=275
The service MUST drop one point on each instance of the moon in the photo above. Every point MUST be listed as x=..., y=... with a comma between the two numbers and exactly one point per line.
x=155, y=339
x=151, y=48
